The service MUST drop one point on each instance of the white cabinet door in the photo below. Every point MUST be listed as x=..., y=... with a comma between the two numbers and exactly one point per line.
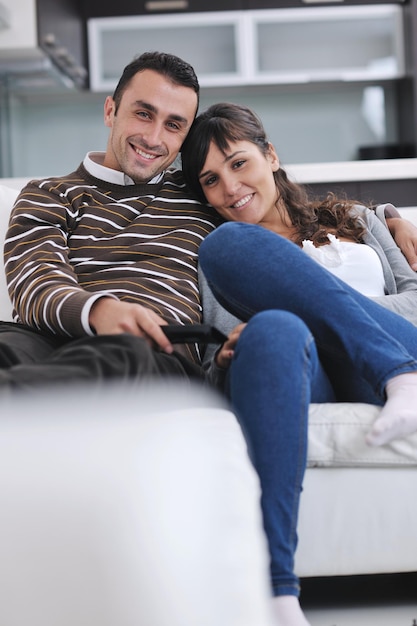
x=343, y=43
x=211, y=42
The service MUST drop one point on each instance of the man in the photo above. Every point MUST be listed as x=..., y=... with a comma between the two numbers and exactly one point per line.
x=99, y=260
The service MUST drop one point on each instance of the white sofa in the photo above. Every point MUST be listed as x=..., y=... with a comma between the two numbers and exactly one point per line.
x=359, y=506
x=126, y=506
x=130, y=513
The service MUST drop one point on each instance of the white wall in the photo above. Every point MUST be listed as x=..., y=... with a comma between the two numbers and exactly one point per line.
x=312, y=124
x=52, y=137
x=51, y=134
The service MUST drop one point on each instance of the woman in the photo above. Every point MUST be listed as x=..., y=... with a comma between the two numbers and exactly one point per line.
x=340, y=326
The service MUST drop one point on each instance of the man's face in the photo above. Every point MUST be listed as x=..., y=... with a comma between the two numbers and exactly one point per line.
x=151, y=123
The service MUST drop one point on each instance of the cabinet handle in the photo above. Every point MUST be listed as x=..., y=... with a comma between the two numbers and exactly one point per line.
x=166, y=5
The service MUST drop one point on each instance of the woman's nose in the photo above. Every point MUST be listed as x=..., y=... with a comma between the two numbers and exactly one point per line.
x=231, y=185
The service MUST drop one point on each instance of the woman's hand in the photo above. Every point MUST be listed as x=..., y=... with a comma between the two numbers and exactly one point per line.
x=225, y=354
x=405, y=235
x=109, y=316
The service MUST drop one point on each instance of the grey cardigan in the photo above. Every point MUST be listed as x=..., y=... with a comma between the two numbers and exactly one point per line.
x=400, y=285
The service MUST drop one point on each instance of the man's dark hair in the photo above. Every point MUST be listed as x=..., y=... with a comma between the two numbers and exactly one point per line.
x=178, y=71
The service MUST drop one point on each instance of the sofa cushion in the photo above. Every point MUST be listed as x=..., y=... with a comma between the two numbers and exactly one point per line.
x=336, y=438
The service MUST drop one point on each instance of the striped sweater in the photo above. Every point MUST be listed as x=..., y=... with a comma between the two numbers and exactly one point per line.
x=74, y=236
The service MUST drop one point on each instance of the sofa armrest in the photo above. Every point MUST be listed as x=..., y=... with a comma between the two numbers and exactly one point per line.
x=8, y=196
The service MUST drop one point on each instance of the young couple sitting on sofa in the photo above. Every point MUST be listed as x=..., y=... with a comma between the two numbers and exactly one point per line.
x=100, y=259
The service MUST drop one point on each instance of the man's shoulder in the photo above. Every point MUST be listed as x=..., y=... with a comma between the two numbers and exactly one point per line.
x=175, y=183
x=174, y=176
x=54, y=183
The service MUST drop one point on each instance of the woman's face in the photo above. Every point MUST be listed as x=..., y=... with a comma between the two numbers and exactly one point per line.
x=240, y=184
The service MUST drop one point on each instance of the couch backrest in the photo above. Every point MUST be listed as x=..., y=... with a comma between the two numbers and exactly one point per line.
x=8, y=196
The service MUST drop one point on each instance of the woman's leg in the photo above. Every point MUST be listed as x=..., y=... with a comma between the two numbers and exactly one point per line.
x=251, y=269
x=274, y=375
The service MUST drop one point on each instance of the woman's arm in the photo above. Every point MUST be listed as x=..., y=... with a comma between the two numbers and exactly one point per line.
x=215, y=315
x=401, y=281
x=403, y=231
x=405, y=235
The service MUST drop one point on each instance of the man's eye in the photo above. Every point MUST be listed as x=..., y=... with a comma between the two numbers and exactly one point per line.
x=173, y=126
x=143, y=114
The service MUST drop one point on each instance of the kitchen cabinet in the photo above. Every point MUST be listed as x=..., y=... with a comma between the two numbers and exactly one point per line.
x=279, y=4
x=262, y=47
x=400, y=192
x=47, y=47
x=109, y=8
x=371, y=182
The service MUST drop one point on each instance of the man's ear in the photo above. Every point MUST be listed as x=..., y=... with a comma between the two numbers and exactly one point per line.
x=109, y=111
x=273, y=157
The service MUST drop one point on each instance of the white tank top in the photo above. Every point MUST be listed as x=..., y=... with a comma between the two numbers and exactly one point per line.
x=355, y=263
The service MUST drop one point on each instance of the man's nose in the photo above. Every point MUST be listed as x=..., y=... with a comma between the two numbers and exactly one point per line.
x=152, y=135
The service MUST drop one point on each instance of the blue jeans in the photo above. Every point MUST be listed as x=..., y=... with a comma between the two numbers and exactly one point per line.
x=309, y=338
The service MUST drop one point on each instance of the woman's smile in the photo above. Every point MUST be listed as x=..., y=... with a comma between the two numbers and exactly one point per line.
x=243, y=202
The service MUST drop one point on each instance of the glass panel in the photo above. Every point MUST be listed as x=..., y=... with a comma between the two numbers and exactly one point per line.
x=330, y=45
x=210, y=49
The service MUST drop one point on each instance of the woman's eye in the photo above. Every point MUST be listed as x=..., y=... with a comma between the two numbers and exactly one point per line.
x=209, y=181
x=238, y=164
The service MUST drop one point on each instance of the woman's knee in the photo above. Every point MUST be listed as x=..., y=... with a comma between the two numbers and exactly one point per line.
x=273, y=337
x=273, y=326
x=223, y=247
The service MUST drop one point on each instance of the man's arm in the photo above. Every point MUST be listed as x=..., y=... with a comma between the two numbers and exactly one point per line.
x=109, y=316
x=43, y=284
x=40, y=278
